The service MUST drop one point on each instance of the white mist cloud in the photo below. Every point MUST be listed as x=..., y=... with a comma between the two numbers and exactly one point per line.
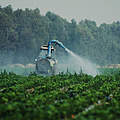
x=75, y=64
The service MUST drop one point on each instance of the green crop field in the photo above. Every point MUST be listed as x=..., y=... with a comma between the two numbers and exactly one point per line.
x=60, y=97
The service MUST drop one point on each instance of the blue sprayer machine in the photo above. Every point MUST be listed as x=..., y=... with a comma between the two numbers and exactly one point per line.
x=46, y=63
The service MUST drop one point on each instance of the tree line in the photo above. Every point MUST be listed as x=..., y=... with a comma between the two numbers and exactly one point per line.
x=22, y=32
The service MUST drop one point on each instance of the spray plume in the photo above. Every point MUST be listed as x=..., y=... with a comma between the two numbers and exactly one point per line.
x=75, y=64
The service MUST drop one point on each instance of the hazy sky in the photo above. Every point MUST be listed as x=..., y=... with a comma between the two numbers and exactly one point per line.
x=98, y=10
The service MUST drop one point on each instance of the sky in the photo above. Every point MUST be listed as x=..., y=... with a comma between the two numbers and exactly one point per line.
x=100, y=11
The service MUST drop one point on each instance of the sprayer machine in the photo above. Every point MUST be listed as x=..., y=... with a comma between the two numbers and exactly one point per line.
x=45, y=62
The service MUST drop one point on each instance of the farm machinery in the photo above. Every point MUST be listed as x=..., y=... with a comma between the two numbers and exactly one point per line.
x=45, y=62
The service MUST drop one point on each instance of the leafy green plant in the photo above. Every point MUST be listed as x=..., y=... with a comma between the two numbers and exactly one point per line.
x=64, y=96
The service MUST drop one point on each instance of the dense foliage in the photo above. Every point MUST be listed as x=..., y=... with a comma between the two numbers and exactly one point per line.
x=60, y=97
x=23, y=31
